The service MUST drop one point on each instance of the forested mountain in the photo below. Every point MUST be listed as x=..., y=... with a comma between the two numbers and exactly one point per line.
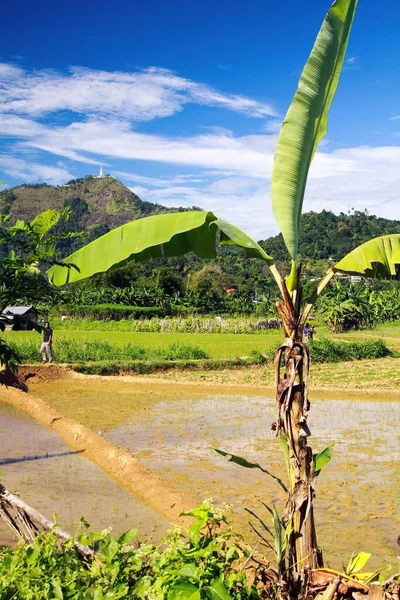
x=325, y=236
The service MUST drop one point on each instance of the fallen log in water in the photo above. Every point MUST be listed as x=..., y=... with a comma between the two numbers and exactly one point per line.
x=26, y=522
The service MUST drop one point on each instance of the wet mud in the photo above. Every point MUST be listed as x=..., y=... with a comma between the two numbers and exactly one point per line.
x=172, y=429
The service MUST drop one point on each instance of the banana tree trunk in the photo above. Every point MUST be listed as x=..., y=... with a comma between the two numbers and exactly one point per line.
x=292, y=367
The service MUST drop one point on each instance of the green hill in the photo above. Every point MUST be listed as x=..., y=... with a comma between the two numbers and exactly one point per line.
x=97, y=200
x=97, y=205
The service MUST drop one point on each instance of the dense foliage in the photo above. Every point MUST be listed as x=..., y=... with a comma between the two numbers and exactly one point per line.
x=230, y=284
x=85, y=301
x=114, y=312
x=24, y=248
x=205, y=567
x=328, y=351
x=345, y=306
x=326, y=236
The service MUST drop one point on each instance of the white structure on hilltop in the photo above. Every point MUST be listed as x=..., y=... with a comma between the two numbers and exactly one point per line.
x=102, y=176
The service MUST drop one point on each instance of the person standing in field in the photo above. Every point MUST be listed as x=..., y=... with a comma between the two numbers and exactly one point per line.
x=45, y=348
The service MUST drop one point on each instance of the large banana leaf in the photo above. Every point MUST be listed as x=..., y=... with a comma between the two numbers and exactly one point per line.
x=233, y=236
x=154, y=237
x=306, y=121
x=379, y=258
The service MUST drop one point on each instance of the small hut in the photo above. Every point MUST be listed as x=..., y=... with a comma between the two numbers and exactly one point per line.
x=19, y=317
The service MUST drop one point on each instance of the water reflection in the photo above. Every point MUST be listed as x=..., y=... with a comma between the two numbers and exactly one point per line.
x=22, y=459
x=357, y=493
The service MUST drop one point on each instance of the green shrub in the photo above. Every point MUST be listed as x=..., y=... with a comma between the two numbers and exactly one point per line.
x=111, y=367
x=128, y=568
x=182, y=352
x=258, y=358
x=325, y=350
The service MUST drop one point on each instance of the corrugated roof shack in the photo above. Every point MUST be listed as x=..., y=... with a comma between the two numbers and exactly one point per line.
x=19, y=317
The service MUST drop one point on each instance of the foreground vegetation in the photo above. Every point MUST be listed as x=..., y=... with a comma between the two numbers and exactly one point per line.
x=209, y=565
x=212, y=564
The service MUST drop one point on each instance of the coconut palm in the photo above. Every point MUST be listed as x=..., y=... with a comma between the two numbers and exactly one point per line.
x=173, y=234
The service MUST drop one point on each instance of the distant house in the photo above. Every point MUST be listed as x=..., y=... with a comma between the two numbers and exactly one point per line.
x=19, y=317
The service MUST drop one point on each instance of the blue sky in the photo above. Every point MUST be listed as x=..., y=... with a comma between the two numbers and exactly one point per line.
x=182, y=101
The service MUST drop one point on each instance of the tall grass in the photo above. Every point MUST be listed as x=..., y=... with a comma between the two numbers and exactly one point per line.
x=70, y=350
x=67, y=350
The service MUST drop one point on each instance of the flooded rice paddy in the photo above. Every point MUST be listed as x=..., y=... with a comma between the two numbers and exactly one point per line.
x=172, y=430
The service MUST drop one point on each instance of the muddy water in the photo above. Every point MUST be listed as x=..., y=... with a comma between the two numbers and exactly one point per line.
x=172, y=433
x=37, y=464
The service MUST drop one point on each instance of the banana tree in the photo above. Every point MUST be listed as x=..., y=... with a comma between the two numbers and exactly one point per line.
x=174, y=234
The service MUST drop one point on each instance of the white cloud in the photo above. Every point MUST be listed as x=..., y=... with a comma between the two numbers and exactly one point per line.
x=251, y=211
x=217, y=170
x=362, y=177
x=157, y=181
x=138, y=96
x=273, y=126
x=116, y=140
x=395, y=118
x=351, y=60
x=33, y=172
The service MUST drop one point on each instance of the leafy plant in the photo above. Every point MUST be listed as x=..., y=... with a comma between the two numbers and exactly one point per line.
x=114, y=312
x=345, y=306
x=357, y=562
x=206, y=567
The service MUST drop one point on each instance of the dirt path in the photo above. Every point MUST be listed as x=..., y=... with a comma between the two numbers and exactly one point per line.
x=151, y=488
x=347, y=381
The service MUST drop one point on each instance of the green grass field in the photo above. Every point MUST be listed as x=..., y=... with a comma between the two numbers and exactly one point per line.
x=214, y=344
